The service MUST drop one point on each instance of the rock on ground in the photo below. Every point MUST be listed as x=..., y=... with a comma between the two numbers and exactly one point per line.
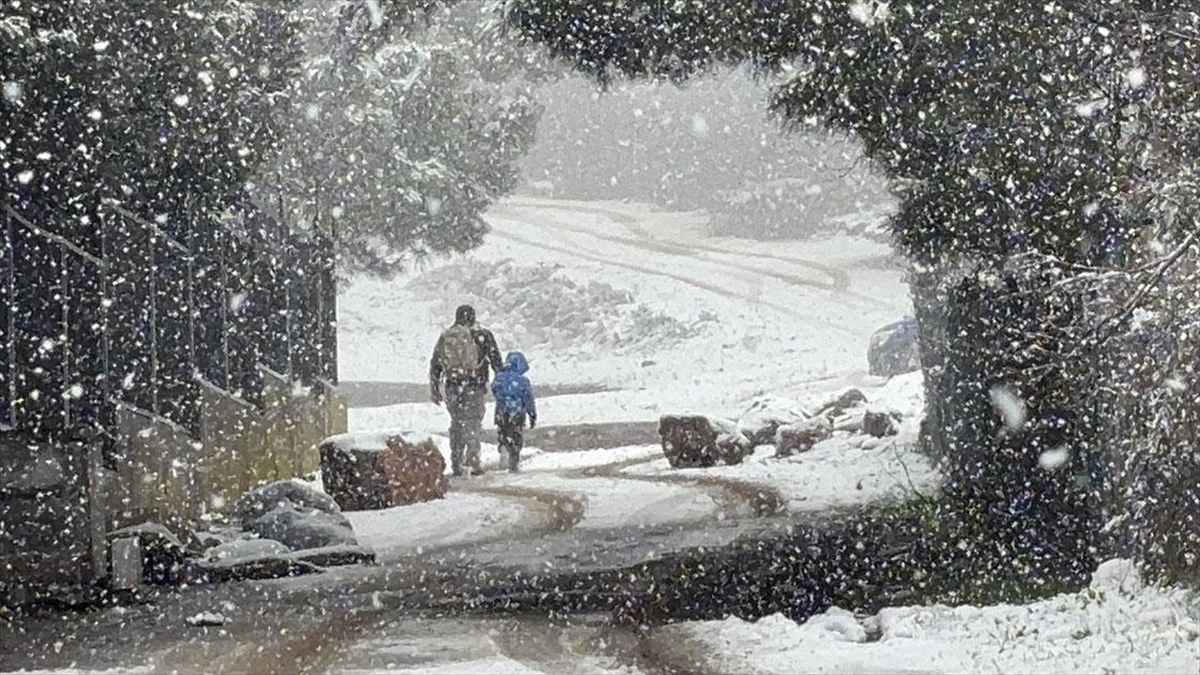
x=798, y=438
x=766, y=415
x=839, y=405
x=405, y=470
x=255, y=503
x=894, y=349
x=690, y=441
x=299, y=529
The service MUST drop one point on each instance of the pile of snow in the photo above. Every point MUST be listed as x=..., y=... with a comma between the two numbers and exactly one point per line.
x=1118, y=624
x=546, y=308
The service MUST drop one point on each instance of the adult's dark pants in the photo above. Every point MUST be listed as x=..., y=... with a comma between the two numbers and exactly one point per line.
x=466, y=405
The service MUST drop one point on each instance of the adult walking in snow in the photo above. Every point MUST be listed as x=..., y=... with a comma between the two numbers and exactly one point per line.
x=458, y=376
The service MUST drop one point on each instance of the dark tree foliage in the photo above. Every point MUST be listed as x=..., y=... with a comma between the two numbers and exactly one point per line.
x=1007, y=115
x=165, y=105
x=405, y=124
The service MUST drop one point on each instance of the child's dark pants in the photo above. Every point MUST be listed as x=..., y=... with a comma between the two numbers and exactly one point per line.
x=511, y=438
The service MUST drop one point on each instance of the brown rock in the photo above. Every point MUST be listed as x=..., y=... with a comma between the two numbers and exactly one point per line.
x=402, y=471
x=690, y=441
x=878, y=424
x=799, y=438
x=415, y=472
x=836, y=407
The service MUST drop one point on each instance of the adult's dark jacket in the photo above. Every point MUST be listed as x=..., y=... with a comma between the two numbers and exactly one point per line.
x=489, y=357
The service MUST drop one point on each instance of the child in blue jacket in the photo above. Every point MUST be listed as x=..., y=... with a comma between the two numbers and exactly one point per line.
x=514, y=403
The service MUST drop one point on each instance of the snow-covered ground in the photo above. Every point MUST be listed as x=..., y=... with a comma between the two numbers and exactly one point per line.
x=460, y=517
x=791, y=318
x=846, y=470
x=660, y=317
x=1117, y=625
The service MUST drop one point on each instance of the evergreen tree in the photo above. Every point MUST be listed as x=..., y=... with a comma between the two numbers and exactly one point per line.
x=400, y=132
x=163, y=105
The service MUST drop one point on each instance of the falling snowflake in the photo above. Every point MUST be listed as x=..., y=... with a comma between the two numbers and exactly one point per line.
x=1010, y=406
x=13, y=92
x=1052, y=460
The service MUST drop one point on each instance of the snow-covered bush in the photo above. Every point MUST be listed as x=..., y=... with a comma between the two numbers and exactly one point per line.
x=538, y=305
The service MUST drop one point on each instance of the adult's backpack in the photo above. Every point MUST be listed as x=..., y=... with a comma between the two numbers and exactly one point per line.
x=460, y=354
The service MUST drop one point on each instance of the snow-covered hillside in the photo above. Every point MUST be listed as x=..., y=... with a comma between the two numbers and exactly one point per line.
x=625, y=297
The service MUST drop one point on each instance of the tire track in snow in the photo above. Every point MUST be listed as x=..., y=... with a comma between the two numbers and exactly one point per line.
x=712, y=288
x=840, y=279
x=735, y=497
x=563, y=511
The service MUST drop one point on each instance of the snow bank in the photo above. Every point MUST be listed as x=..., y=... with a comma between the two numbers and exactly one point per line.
x=1116, y=625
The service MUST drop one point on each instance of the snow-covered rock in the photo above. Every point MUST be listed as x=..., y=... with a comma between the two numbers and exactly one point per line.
x=766, y=415
x=839, y=405
x=207, y=619
x=254, y=503
x=299, y=528
x=797, y=438
x=879, y=424
x=375, y=471
x=690, y=441
x=243, y=549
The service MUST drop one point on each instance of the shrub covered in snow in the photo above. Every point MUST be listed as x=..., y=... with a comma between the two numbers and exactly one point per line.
x=538, y=305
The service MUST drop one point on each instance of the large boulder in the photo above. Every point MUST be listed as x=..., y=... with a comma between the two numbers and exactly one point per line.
x=370, y=473
x=691, y=441
x=299, y=528
x=798, y=438
x=255, y=503
x=894, y=349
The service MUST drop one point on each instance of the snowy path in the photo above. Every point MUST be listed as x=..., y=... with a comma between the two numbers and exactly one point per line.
x=698, y=323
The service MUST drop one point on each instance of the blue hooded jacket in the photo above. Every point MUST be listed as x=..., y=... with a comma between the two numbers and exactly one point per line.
x=513, y=393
